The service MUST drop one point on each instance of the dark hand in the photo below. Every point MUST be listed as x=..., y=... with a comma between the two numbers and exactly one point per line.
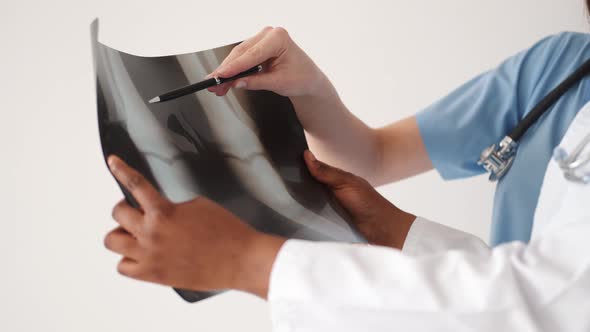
x=194, y=245
x=379, y=221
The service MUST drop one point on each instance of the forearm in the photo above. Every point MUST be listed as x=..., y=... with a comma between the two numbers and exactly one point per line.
x=335, y=135
x=339, y=138
x=417, y=236
x=255, y=262
x=390, y=232
x=402, y=152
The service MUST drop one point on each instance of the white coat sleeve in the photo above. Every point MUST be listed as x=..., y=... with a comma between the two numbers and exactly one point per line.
x=427, y=237
x=544, y=286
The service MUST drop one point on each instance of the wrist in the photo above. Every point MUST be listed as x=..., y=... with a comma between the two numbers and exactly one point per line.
x=403, y=222
x=319, y=91
x=255, y=263
x=319, y=110
x=390, y=231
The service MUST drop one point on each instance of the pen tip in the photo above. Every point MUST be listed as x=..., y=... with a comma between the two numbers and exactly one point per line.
x=154, y=100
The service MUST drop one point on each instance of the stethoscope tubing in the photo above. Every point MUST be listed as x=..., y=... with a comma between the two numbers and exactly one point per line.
x=498, y=158
x=572, y=162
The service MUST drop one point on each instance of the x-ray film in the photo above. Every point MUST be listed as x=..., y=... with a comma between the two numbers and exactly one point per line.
x=243, y=150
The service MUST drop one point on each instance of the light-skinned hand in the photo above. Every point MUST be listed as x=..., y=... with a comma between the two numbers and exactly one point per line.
x=287, y=70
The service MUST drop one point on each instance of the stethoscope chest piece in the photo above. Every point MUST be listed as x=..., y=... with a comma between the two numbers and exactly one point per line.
x=497, y=159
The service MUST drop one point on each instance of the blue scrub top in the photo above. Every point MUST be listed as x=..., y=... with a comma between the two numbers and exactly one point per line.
x=458, y=127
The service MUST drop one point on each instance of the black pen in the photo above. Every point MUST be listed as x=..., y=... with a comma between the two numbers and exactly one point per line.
x=202, y=85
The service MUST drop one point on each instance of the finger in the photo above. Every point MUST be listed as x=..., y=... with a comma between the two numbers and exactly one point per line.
x=237, y=51
x=123, y=243
x=221, y=89
x=128, y=217
x=270, y=46
x=262, y=81
x=214, y=88
x=244, y=46
x=224, y=88
x=331, y=176
x=145, y=194
x=129, y=267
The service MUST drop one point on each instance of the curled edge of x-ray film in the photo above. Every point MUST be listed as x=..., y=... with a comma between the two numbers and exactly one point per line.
x=243, y=150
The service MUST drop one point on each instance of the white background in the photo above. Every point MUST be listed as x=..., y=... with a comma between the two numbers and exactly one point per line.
x=388, y=60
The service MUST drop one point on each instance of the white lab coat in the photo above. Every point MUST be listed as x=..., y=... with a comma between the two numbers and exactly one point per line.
x=447, y=280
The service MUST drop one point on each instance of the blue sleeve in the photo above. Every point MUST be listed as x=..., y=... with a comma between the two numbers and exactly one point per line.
x=458, y=127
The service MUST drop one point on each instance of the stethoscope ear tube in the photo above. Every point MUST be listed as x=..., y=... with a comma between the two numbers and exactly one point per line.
x=549, y=100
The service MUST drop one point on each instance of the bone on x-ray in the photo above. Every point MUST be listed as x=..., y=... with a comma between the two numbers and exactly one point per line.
x=243, y=150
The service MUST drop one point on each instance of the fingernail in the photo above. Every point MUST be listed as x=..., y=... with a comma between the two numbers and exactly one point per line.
x=241, y=85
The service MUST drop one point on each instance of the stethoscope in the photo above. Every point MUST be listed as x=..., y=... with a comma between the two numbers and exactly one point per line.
x=497, y=159
x=570, y=164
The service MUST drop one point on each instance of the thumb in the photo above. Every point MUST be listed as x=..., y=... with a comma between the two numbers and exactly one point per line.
x=331, y=176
